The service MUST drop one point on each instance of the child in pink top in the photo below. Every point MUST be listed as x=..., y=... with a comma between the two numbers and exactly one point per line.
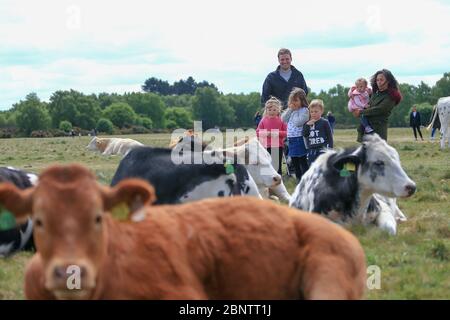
x=272, y=131
x=359, y=96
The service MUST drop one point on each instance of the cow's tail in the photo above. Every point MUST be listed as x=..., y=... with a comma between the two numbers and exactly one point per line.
x=432, y=120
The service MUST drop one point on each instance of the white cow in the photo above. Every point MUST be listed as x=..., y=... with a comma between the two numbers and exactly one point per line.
x=356, y=185
x=113, y=146
x=443, y=111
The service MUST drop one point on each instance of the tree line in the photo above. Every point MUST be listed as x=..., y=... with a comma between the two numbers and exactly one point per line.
x=165, y=107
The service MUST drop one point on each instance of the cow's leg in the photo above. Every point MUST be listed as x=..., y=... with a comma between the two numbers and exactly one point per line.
x=386, y=221
x=333, y=278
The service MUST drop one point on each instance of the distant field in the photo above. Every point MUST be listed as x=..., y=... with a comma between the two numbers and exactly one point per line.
x=415, y=264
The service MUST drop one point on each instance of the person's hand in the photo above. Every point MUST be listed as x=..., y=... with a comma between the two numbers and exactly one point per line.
x=311, y=122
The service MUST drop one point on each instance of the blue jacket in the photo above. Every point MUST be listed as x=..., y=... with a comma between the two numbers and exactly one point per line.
x=276, y=86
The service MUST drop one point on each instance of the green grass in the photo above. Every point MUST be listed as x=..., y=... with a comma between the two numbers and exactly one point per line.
x=415, y=264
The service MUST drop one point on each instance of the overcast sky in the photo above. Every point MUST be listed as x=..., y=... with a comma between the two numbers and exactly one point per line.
x=114, y=46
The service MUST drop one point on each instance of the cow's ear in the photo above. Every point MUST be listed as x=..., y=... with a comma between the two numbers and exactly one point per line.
x=135, y=193
x=16, y=201
x=346, y=161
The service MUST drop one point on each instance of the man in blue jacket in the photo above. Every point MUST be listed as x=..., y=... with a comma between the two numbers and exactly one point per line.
x=280, y=82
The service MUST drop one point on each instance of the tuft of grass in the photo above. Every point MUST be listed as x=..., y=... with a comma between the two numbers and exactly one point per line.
x=440, y=251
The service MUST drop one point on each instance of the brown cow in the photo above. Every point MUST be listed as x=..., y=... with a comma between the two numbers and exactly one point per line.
x=213, y=249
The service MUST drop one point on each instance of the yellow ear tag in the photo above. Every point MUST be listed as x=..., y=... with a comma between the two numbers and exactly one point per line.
x=350, y=166
x=120, y=211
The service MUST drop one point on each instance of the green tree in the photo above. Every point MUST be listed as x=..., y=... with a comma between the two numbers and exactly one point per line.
x=32, y=114
x=65, y=126
x=179, y=118
x=211, y=108
x=120, y=114
x=244, y=108
x=81, y=110
x=104, y=125
x=441, y=88
x=149, y=105
x=144, y=122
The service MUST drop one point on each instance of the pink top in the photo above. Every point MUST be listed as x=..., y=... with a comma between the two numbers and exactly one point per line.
x=358, y=100
x=269, y=129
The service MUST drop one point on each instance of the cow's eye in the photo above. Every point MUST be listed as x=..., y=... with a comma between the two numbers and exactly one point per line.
x=98, y=219
x=38, y=223
x=379, y=163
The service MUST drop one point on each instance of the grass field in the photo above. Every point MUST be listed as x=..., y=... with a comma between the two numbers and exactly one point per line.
x=415, y=264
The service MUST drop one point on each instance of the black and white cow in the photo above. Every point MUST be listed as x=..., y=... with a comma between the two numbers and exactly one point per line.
x=248, y=152
x=183, y=182
x=21, y=237
x=356, y=185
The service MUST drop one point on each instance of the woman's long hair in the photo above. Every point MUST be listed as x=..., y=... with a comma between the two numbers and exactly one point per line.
x=393, y=87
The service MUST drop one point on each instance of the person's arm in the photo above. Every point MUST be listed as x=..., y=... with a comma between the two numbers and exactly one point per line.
x=381, y=109
x=283, y=130
x=301, y=119
x=303, y=83
x=306, y=130
x=286, y=115
x=261, y=128
x=266, y=90
x=329, y=134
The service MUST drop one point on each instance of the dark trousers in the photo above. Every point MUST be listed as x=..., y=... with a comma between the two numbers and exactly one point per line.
x=365, y=122
x=276, y=153
x=313, y=154
x=300, y=165
x=415, y=133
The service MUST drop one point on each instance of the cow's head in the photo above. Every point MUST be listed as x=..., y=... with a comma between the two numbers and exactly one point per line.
x=258, y=162
x=379, y=168
x=97, y=144
x=71, y=222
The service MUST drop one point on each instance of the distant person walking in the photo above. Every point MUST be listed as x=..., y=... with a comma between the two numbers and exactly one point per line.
x=257, y=118
x=280, y=82
x=331, y=120
x=386, y=95
x=415, y=122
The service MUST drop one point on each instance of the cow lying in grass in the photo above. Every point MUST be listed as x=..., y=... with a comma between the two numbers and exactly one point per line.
x=212, y=249
x=184, y=182
x=352, y=185
x=249, y=152
x=15, y=238
x=112, y=146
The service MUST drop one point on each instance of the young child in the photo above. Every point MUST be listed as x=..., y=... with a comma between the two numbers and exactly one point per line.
x=317, y=131
x=359, y=96
x=296, y=116
x=272, y=131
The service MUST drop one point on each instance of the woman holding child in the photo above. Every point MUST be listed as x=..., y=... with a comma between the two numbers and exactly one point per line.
x=386, y=95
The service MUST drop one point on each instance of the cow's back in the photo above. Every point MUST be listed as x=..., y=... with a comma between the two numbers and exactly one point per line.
x=170, y=180
x=240, y=249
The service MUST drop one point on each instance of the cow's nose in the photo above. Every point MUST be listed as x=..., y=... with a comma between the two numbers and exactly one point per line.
x=59, y=272
x=410, y=189
x=65, y=270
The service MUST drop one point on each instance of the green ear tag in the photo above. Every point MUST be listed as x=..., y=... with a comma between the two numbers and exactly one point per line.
x=7, y=220
x=344, y=173
x=229, y=169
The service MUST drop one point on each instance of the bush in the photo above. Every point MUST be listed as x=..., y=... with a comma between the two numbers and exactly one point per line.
x=65, y=126
x=105, y=126
x=120, y=114
x=41, y=134
x=144, y=122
